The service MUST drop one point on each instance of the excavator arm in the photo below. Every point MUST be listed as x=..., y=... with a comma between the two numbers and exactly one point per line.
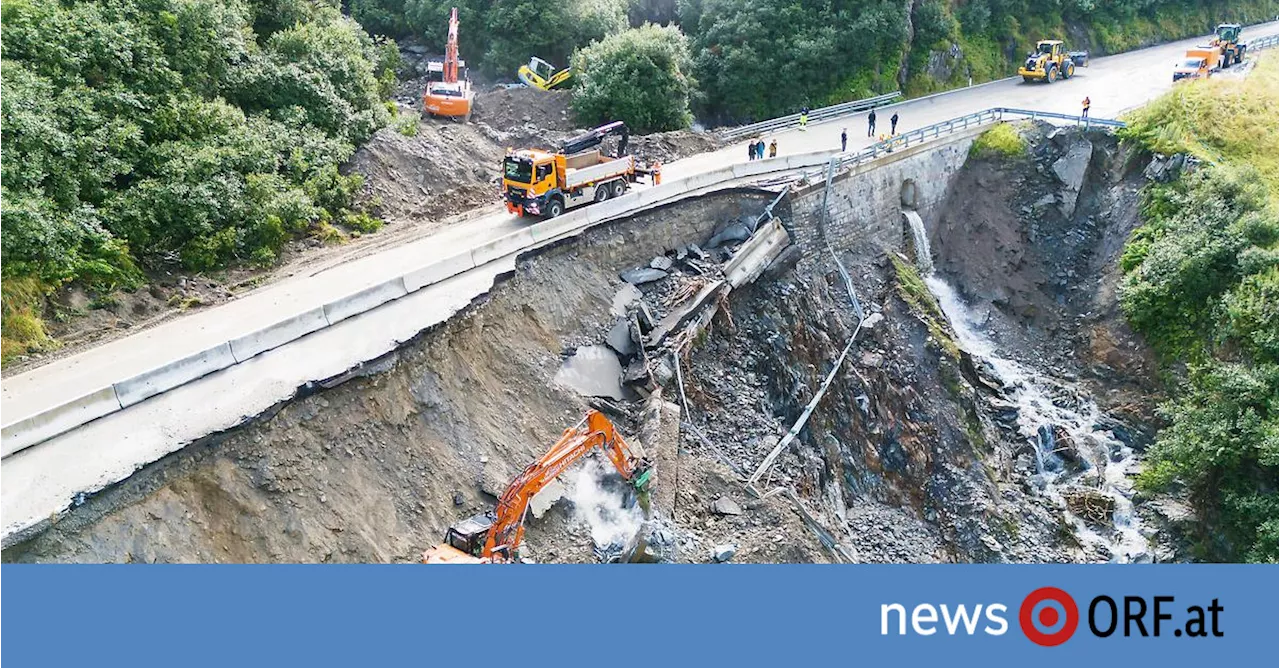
x=505, y=526
x=594, y=430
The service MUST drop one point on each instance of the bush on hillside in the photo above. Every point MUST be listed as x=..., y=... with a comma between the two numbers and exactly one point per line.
x=640, y=76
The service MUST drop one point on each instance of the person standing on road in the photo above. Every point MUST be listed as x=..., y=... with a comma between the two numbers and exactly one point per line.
x=1084, y=108
x=893, y=124
x=751, y=150
x=773, y=148
x=759, y=149
x=804, y=118
x=871, y=123
x=844, y=139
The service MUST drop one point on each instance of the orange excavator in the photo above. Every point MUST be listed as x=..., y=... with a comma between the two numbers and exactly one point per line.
x=495, y=537
x=449, y=97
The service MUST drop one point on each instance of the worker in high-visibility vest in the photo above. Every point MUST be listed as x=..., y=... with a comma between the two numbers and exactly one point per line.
x=655, y=173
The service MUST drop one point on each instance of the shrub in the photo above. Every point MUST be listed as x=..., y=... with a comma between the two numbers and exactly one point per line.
x=640, y=76
x=1001, y=140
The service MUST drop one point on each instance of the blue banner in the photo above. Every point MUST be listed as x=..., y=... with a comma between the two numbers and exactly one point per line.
x=1038, y=616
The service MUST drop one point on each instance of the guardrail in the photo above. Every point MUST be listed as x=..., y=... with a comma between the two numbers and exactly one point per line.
x=960, y=123
x=1268, y=42
x=815, y=115
x=47, y=423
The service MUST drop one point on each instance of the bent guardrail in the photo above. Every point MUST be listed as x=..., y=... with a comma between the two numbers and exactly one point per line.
x=815, y=115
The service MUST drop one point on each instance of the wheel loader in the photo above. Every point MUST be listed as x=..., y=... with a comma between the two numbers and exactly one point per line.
x=1051, y=61
x=1227, y=36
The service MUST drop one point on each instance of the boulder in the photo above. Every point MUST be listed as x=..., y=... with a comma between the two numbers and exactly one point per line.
x=1071, y=169
x=723, y=553
x=660, y=262
x=726, y=506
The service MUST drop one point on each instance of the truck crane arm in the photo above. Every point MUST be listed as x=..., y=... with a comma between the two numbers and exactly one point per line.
x=503, y=530
x=592, y=138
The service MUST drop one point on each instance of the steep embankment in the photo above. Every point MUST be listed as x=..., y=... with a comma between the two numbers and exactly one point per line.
x=944, y=436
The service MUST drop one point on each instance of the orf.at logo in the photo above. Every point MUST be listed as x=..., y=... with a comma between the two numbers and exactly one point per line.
x=1048, y=616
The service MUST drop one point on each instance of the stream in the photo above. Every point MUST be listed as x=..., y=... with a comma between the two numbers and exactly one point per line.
x=1074, y=453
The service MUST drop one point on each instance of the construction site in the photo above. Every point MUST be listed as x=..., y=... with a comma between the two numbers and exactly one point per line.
x=918, y=360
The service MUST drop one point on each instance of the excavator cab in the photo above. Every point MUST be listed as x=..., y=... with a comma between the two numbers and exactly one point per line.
x=542, y=75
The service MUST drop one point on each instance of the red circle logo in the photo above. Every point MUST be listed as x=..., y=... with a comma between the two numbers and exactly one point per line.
x=1048, y=616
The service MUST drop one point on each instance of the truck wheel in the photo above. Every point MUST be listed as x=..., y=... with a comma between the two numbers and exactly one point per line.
x=1051, y=74
x=619, y=187
x=602, y=192
x=1068, y=70
x=555, y=207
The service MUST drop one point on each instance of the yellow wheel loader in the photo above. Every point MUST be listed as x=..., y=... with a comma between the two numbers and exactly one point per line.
x=1051, y=61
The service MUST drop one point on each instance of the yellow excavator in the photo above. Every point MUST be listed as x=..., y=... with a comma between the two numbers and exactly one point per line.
x=1051, y=61
x=542, y=75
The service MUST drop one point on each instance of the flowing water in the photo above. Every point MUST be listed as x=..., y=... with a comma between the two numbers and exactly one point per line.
x=1058, y=422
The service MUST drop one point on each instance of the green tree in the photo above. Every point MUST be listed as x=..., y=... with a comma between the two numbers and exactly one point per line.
x=640, y=76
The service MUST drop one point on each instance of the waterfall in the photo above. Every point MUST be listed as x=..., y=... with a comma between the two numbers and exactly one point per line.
x=1039, y=415
x=924, y=255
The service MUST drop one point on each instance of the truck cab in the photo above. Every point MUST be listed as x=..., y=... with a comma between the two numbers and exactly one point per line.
x=1191, y=67
x=529, y=181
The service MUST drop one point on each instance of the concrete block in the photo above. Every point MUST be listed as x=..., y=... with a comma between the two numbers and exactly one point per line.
x=46, y=424
x=365, y=300
x=501, y=247
x=166, y=377
x=437, y=271
x=272, y=336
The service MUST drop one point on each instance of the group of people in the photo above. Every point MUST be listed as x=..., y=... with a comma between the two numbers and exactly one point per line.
x=755, y=150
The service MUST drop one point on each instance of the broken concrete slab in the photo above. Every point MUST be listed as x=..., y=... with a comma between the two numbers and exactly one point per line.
x=642, y=275
x=627, y=295
x=619, y=338
x=545, y=499
x=592, y=371
x=733, y=233
x=697, y=252
x=726, y=506
x=661, y=263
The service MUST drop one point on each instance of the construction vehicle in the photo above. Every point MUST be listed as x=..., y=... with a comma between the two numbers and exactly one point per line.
x=1051, y=61
x=542, y=75
x=495, y=537
x=1211, y=54
x=1227, y=36
x=450, y=97
x=1191, y=67
x=540, y=183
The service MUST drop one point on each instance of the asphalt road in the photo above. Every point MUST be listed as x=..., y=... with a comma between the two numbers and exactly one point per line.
x=1114, y=84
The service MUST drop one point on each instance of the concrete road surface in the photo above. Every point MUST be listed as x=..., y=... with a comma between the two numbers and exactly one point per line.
x=1114, y=84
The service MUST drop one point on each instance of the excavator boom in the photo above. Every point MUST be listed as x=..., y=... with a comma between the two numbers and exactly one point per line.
x=503, y=529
